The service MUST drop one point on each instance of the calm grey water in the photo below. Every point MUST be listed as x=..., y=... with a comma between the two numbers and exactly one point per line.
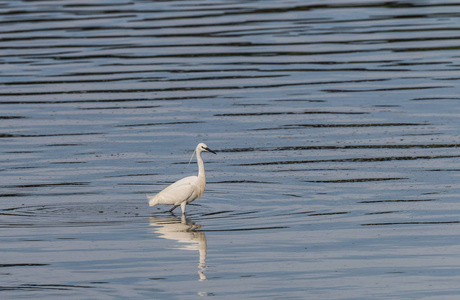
x=336, y=122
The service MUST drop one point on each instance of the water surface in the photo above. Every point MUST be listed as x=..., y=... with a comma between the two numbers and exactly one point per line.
x=336, y=124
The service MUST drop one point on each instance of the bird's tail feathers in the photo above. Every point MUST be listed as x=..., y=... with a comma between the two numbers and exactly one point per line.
x=153, y=200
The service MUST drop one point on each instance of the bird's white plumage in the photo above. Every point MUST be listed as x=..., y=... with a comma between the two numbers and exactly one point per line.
x=179, y=191
x=185, y=190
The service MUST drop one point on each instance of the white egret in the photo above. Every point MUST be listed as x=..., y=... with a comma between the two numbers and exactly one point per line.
x=185, y=190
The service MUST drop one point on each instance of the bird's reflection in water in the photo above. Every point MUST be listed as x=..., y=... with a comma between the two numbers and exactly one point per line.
x=183, y=231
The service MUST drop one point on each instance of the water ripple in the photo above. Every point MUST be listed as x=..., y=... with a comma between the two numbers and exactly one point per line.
x=336, y=126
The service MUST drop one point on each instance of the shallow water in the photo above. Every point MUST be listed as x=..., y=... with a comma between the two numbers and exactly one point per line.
x=336, y=126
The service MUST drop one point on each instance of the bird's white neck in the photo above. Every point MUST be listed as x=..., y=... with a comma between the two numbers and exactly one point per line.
x=201, y=173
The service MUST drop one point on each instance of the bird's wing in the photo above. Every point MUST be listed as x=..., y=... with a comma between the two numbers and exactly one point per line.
x=176, y=193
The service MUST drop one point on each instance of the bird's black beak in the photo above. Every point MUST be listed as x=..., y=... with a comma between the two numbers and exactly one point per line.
x=209, y=150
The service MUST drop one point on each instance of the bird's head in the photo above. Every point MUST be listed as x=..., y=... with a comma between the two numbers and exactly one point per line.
x=203, y=147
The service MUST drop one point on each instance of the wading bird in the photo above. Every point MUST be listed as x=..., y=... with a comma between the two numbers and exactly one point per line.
x=185, y=190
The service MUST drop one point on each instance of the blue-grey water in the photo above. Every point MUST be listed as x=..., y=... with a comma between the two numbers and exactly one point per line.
x=337, y=129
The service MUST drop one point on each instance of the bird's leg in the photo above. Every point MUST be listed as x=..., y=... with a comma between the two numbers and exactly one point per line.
x=182, y=205
x=173, y=208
